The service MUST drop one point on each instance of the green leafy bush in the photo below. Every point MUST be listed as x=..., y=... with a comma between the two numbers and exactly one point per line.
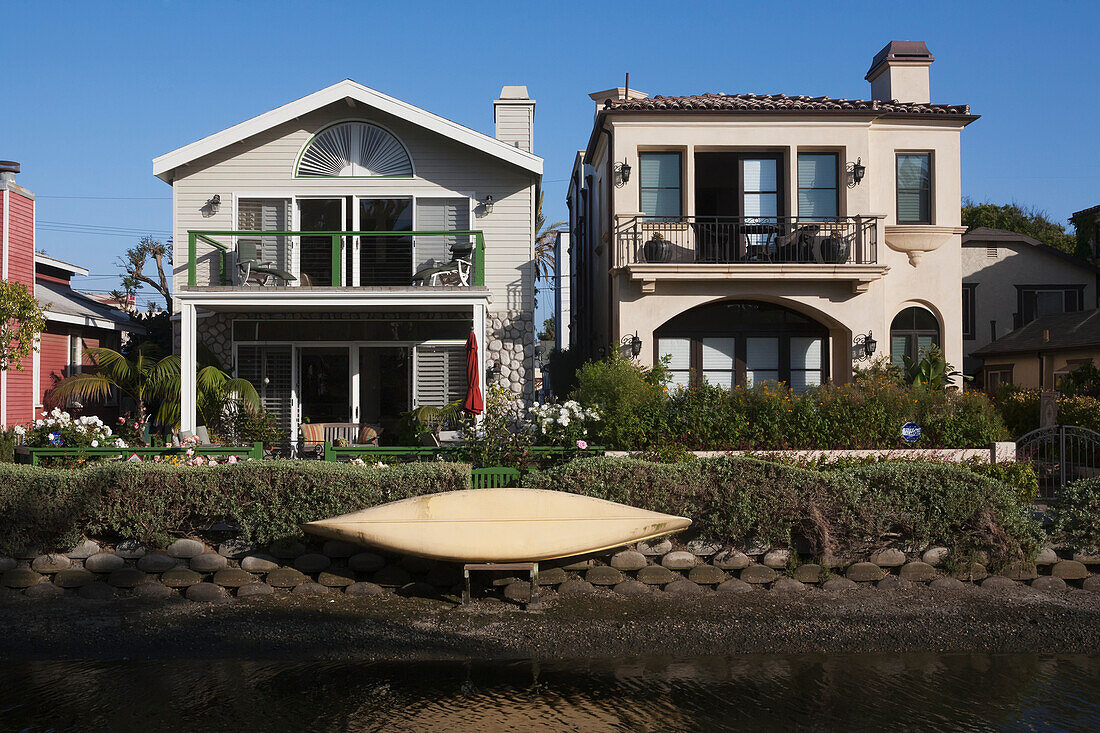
x=1019, y=408
x=630, y=399
x=1076, y=515
x=741, y=500
x=51, y=508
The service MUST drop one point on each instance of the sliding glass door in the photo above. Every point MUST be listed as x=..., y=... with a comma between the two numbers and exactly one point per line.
x=315, y=252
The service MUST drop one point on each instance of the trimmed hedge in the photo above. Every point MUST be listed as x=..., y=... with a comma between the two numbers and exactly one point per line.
x=837, y=512
x=1076, y=514
x=44, y=509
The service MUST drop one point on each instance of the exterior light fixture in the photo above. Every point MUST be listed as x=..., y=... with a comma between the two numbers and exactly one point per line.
x=494, y=368
x=634, y=343
x=865, y=346
x=487, y=204
x=622, y=174
x=215, y=203
x=858, y=171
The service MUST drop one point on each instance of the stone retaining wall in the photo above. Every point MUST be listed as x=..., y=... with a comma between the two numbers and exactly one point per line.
x=1001, y=452
x=201, y=572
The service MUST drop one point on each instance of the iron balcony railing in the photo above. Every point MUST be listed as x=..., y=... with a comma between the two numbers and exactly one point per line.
x=743, y=240
x=237, y=257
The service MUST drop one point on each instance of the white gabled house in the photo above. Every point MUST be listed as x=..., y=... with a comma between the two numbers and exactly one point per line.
x=338, y=251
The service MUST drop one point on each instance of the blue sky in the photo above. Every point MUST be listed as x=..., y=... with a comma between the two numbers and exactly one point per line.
x=92, y=92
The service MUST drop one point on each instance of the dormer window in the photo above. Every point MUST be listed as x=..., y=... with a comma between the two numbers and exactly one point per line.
x=354, y=150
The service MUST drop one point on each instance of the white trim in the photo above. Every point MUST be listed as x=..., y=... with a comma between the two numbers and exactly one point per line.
x=36, y=367
x=59, y=264
x=87, y=321
x=318, y=297
x=4, y=239
x=164, y=165
x=188, y=368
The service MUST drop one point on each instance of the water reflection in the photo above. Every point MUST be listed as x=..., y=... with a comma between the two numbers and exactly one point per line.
x=857, y=692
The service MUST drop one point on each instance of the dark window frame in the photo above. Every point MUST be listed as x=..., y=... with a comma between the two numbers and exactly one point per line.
x=969, y=312
x=679, y=188
x=1076, y=289
x=998, y=369
x=912, y=335
x=740, y=156
x=798, y=187
x=898, y=155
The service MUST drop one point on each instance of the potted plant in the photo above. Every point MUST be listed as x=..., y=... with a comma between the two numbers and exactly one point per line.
x=657, y=249
x=834, y=250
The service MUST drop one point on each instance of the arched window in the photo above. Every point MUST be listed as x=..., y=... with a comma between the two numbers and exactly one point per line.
x=744, y=343
x=912, y=330
x=354, y=150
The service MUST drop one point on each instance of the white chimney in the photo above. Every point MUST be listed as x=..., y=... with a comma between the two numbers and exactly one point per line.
x=514, y=114
x=900, y=72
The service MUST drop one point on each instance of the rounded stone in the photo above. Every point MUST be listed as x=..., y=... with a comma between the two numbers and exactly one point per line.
x=935, y=556
x=947, y=584
x=628, y=560
x=207, y=593
x=1020, y=570
x=893, y=582
x=1049, y=584
x=679, y=560
x=84, y=550
x=552, y=576
x=309, y=588
x=707, y=575
x=1070, y=570
x=703, y=547
x=152, y=590
x=864, y=572
x=7, y=563
x=44, y=590
x=364, y=589
x=127, y=578
x=180, y=578
x=888, y=558
x=918, y=572
x=235, y=548
x=839, y=584
x=232, y=578
x=731, y=560
x=809, y=573
x=683, y=587
x=652, y=548
x=576, y=587
x=734, y=585
x=185, y=549
x=998, y=582
x=20, y=578
x=580, y=565
x=519, y=591
x=259, y=564
x=392, y=575
x=1092, y=583
x=130, y=550
x=51, y=563
x=73, y=578
x=339, y=548
x=603, y=575
x=287, y=549
x=972, y=572
x=365, y=562
x=788, y=585
x=336, y=578
x=656, y=575
x=157, y=562
x=758, y=574
x=1088, y=557
x=285, y=578
x=776, y=559
x=104, y=562
x=208, y=562
x=254, y=589
x=631, y=588
x=97, y=591
x=312, y=562
x=1047, y=557
x=415, y=565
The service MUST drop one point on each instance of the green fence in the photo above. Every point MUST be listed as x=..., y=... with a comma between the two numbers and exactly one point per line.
x=34, y=456
x=374, y=453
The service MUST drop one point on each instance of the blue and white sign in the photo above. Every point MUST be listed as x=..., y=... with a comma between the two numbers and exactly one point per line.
x=911, y=432
x=55, y=439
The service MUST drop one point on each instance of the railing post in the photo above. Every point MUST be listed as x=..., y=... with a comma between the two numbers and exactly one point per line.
x=329, y=457
x=479, y=258
x=336, y=260
x=257, y=452
x=192, y=250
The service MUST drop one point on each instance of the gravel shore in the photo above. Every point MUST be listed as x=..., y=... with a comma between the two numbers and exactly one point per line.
x=592, y=626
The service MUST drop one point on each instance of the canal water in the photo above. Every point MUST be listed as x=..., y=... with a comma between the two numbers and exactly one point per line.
x=769, y=693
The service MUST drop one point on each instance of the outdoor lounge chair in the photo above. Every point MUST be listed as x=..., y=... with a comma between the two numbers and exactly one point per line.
x=315, y=435
x=457, y=271
x=250, y=264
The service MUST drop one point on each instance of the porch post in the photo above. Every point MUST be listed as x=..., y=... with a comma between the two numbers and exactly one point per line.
x=188, y=368
x=482, y=348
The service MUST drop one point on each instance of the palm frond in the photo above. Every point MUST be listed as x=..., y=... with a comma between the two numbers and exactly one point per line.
x=84, y=387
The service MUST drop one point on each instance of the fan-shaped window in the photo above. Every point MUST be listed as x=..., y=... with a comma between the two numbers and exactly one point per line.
x=912, y=331
x=354, y=150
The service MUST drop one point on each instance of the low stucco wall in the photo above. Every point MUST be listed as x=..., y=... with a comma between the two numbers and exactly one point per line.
x=996, y=453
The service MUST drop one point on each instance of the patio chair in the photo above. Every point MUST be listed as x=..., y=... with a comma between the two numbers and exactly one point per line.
x=459, y=268
x=250, y=264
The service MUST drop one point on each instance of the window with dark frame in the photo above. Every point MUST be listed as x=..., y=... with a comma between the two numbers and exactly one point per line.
x=997, y=376
x=968, y=311
x=912, y=331
x=1034, y=301
x=817, y=186
x=914, y=188
x=659, y=184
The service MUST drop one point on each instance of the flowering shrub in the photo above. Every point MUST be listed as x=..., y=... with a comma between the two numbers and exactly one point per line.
x=59, y=429
x=564, y=424
x=1020, y=409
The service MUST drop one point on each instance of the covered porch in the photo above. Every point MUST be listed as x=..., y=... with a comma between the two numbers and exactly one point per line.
x=336, y=356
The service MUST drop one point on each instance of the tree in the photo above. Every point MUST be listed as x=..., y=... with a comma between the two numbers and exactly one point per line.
x=544, y=242
x=1016, y=218
x=136, y=259
x=21, y=320
x=549, y=330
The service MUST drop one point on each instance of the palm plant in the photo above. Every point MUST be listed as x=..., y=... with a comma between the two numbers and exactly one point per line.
x=544, y=242
x=932, y=370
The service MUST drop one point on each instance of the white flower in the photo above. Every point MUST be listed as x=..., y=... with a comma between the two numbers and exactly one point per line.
x=95, y=443
x=120, y=443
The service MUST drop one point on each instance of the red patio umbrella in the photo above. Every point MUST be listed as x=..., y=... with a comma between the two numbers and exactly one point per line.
x=474, y=404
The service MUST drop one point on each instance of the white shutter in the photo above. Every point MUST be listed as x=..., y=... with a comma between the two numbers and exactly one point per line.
x=439, y=215
x=439, y=375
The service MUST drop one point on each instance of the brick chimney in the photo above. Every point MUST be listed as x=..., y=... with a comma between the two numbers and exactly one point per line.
x=514, y=114
x=900, y=72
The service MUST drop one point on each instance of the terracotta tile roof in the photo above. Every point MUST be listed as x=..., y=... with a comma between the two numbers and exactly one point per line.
x=780, y=102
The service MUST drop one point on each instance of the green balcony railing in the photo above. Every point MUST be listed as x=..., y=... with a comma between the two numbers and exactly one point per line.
x=209, y=237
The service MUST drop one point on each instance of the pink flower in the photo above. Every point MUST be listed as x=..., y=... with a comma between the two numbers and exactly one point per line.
x=189, y=452
x=122, y=420
x=583, y=445
x=232, y=459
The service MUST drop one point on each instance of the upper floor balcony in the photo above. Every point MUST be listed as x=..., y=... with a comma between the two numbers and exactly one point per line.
x=288, y=259
x=746, y=248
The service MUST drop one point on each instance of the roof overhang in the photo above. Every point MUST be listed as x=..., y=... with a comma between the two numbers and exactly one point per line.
x=164, y=165
x=327, y=299
x=59, y=264
x=91, y=322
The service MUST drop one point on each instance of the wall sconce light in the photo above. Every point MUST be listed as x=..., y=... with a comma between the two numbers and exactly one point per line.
x=857, y=170
x=487, y=204
x=494, y=368
x=602, y=352
x=215, y=203
x=622, y=174
x=865, y=346
x=634, y=343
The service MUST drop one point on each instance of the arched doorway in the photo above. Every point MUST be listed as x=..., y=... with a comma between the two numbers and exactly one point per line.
x=739, y=342
x=913, y=330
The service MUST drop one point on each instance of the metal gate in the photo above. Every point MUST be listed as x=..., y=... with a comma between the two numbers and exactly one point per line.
x=1060, y=454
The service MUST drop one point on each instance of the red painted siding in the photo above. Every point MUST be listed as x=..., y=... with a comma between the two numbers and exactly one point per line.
x=21, y=239
x=53, y=361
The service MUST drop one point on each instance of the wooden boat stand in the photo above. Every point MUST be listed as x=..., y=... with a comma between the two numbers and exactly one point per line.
x=532, y=567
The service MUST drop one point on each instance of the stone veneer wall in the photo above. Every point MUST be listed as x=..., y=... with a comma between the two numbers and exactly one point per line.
x=202, y=572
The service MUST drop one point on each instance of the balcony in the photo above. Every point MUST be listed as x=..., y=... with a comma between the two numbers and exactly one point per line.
x=288, y=259
x=749, y=248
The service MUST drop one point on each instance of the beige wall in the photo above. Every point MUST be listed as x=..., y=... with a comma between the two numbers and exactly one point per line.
x=933, y=283
x=1025, y=367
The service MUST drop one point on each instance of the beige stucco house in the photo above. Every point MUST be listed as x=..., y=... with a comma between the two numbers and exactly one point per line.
x=339, y=250
x=1010, y=279
x=757, y=237
x=1043, y=351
